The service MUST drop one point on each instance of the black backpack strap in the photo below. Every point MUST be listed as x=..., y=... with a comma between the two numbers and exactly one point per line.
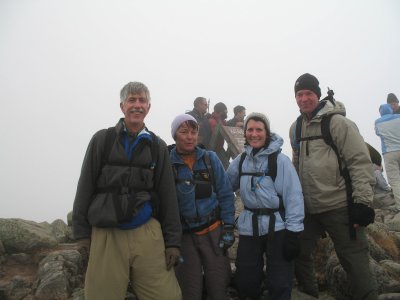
x=242, y=157
x=344, y=172
x=297, y=137
x=111, y=135
x=273, y=165
x=209, y=167
x=154, y=149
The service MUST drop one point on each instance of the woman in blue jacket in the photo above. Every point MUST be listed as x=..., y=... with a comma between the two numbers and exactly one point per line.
x=273, y=213
x=206, y=206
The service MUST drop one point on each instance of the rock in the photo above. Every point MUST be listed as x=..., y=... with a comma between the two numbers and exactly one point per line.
x=394, y=224
x=61, y=231
x=58, y=275
x=19, y=235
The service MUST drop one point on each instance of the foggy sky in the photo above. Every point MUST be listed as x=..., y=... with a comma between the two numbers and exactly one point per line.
x=63, y=63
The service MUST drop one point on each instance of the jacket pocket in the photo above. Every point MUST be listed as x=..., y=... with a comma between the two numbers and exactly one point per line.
x=111, y=209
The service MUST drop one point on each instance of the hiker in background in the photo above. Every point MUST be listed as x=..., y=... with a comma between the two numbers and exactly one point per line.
x=218, y=118
x=125, y=180
x=272, y=219
x=387, y=128
x=238, y=119
x=383, y=196
x=200, y=113
x=327, y=205
x=207, y=210
x=394, y=103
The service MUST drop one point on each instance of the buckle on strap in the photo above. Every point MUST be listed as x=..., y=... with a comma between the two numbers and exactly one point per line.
x=271, y=226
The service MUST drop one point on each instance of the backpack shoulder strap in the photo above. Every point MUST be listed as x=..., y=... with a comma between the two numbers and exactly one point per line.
x=154, y=149
x=210, y=169
x=297, y=132
x=242, y=157
x=111, y=136
x=327, y=136
x=273, y=165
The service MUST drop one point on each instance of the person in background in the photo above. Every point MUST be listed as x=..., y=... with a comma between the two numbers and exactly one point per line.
x=218, y=118
x=199, y=112
x=383, y=196
x=272, y=219
x=125, y=210
x=394, y=103
x=238, y=119
x=387, y=128
x=327, y=206
x=206, y=206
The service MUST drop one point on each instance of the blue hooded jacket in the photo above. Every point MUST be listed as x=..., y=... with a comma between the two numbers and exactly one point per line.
x=222, y=194
x=387, y=128
x=265, y=195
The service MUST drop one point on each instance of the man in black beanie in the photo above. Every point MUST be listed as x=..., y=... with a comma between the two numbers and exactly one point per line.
x=327, y=206
x=394, y=103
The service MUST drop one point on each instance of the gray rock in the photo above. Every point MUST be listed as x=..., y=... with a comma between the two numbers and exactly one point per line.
x=390, y=296
x=58, y=275
x=20, y=235
x=17, y=288
x=394, y=224
x=61, y=231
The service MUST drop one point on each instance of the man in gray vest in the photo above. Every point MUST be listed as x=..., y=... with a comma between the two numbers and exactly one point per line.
x=125, y=209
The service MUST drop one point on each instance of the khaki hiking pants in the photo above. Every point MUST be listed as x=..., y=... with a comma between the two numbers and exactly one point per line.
x=137, y=255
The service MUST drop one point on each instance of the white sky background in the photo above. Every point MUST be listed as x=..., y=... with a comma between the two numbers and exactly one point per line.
x=63, y=63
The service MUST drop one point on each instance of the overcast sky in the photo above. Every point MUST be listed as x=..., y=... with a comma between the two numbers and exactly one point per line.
x=63, y=63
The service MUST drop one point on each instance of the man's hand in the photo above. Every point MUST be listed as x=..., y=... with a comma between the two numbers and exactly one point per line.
x=172, y=256
x=83, y=244
x=362, y=215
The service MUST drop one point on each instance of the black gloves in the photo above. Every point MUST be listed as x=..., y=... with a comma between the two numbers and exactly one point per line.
x=227, y=237
x=291, y=245
x=362, y=214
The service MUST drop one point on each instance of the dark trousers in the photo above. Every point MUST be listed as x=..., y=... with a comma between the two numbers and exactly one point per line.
x=353, y=254
x=250, y=263
x=202, y=254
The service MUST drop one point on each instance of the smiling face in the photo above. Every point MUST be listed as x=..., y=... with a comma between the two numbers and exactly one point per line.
x=256, y=134
x=135, y=108
x=186, y=137
x=307, y=101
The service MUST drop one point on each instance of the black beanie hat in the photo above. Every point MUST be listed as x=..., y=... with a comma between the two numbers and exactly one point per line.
x=307, y=82
x=392, y=98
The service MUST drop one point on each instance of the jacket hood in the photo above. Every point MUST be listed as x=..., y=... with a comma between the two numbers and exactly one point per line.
x=275, y=145
x=327, y=108
x=385, y=109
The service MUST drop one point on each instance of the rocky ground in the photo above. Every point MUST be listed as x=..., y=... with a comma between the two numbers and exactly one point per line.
x=41, y=261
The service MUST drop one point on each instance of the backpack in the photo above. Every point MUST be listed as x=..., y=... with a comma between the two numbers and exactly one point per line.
x=207, y=162
x=327, y=137
x=271, y=172
x=111, y=136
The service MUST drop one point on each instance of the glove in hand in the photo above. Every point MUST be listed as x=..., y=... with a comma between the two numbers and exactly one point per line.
x=291, y=245
x=362, y=214
x=227, y=237
x=172, y=256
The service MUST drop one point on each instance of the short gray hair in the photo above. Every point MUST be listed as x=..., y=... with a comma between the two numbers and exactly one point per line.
x=134, y=88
